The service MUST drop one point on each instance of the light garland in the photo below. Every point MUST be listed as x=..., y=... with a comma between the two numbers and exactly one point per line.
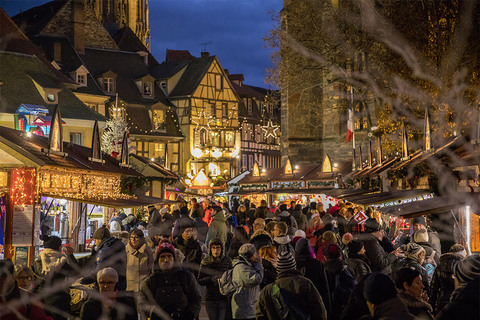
x=22, y=180
x=81, y=184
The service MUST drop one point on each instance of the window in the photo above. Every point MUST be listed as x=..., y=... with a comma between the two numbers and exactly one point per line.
x=147, y=89
x=157, y=118
x=163, y=85
x=218, y=82
x=82, y=79
x=203, y=138
x=51, y=97
x=224, y=110
x=76, y=137
x=109, y=84
x=215, y=139
x=213, y=110
x=229, y=139
x=158, y=150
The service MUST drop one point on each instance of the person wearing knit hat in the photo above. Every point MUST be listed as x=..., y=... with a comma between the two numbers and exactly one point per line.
x=464, y=300
x=432, y=257
x=381, y=297
x=420, y=223
x=52, y=242
x=247, y=275
x=357, y=261
x=139, y=260
x=285, y=261
x=100, y=234
x=170, y=291
x=372, y=225
x=190, y=247
x=415, y=256
x=305, y=298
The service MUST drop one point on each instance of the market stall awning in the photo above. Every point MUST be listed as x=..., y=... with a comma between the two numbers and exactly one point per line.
x=432, y=206
x=138, y=201
x=381, y=197
x=342, y=193
x=298, y=191
x=245, y=192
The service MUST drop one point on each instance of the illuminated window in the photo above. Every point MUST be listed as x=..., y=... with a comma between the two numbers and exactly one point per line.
x=224, y=110
x=109, y=85
x=229, y=138
x=76, y=137
x=158, y=150
x=51, y=97
x=218, y=82
x=157, y=118
x=215, y=139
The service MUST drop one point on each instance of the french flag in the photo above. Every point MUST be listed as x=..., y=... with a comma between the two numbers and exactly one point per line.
x=350, y=125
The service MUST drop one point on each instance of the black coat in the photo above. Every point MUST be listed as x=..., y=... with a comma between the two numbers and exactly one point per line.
x=379, y=259
x=313, y=269
x=111, y=253
x=269, y=273
x=210, y=271
x=359, y=265
x=443, y=284
x=419, y=308
x=411, y=263
x=192, y=251
x=124, y=308
x=464, y=303
x=175, y=291
x=341, y=284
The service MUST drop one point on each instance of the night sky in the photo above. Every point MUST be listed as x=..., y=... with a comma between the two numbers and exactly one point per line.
x=235, y=29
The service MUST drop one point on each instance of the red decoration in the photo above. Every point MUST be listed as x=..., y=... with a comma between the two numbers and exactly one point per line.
x=115, y=154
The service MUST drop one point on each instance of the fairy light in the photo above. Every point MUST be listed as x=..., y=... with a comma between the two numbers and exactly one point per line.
x=23, y=183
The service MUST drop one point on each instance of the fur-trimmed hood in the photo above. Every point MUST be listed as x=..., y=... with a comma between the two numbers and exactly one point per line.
x=412, y=302
x=52, y=260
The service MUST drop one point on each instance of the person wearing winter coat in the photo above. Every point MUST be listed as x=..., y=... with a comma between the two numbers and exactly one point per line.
x=16, y=303
x=300, y=218
x=411, y=291
x=211, y=269
x=464, y=300
x=414, y=259
x=240, y=237
x=154, y=217
x=247, y=276
x=170, y=291
x=315, y=224
x=269, y=262
x=139, y=260
x=357, y=261
x=300, y=290
x=54, y=270
x=281, y=238
x=443, y=284
x=312, y=269
x=262, y=210
x=108, y=302
x=379, y=259
x=328, y=237
x=285, y=216
x=382, y=301
x=431, y=256
x=191, y=249
x=166, y=222
x=183, y=221
x=433, y=239
x=340, y=279
x=110, y=253
x=218, y=226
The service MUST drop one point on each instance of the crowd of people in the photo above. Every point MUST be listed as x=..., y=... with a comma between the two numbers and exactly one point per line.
x=294, y=262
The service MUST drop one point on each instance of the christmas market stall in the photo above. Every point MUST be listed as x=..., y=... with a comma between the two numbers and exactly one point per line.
x=53, y=187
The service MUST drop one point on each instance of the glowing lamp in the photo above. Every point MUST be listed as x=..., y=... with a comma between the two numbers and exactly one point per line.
x=153, y=159
x=296, y=167
x=217, y=153
x=263, y=170
x=197, y=153
x=335, y=165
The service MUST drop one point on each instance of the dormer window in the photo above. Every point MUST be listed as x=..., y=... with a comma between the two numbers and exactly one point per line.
x=51, y=97
x=109, y=85
x=82, y=79
x=163, y=85
x=148, y=89
x=158, y=118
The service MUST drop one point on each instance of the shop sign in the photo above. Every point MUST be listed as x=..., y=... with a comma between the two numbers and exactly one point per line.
x=253, y=186
x=320, y=183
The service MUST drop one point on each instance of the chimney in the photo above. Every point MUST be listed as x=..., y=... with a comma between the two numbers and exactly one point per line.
x=144, y=55
x=205, y=54
x=78, y=26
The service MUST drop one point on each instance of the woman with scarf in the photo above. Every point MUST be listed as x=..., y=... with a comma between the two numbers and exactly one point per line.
x=108, y=302
x=139, y=260
x=411, y=291
x=211, y=269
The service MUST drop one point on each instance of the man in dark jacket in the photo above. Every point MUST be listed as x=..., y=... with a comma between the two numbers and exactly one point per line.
x=262, y=210
x=181, y=222
x=379, y=259
x=171, y=291
x=312, y=269
x=190, y=248
x=166, y=223
x=464, y=301
x=154, y=216
x=111, y=253
x=357, y=261
x=211, y=269
x=293, y=289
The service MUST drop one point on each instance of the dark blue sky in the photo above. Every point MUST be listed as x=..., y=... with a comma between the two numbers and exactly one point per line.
x=235, y=29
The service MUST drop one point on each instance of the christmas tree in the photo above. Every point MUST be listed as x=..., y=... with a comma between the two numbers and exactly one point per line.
x=113, y=136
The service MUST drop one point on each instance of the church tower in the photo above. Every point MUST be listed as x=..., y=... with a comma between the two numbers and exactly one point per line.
x=116, y=14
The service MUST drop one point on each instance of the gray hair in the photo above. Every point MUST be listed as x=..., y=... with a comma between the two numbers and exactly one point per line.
x=247, y=250
x=107, y=272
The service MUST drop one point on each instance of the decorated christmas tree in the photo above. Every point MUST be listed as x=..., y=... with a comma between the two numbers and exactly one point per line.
x=113, y=136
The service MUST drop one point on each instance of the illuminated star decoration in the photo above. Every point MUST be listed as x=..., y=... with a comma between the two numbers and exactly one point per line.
x=270, y=129
x=199, y=122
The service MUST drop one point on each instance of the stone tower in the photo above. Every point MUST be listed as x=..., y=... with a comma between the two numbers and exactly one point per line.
x=116, y=14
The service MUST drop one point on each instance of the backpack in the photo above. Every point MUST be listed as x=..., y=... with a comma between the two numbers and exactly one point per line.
x=429, y=264
x=286, y=306
x=225, y=283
